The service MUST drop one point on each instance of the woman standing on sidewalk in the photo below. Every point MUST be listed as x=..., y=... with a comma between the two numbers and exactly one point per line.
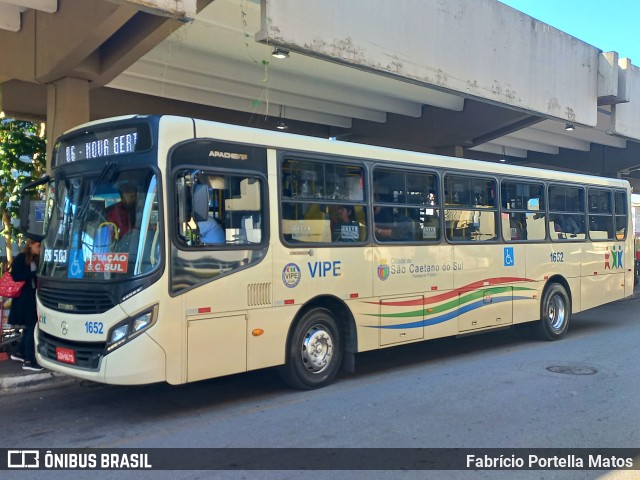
x=23, y=309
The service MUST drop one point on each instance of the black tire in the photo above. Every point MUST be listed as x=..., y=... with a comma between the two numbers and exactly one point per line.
x=314, y=351
x=555, y=313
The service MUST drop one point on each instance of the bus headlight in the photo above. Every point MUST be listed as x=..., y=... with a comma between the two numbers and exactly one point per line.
x=130, y=328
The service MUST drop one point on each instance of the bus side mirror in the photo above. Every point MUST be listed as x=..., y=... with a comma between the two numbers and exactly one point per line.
x=200, y=202
x=33, y=209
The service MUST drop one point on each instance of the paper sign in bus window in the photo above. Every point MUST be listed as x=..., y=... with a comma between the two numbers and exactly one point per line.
x=107, y=262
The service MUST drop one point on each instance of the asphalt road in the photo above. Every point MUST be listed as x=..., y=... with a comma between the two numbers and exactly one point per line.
x=496, y=390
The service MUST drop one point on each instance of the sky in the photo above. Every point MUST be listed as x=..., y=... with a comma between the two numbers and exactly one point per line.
x=610, y=25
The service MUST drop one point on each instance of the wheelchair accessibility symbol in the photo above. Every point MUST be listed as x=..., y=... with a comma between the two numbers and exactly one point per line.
x=76, y=264
x=509, y=259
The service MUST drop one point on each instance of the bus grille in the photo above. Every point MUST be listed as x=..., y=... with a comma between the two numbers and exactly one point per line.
x=75, y=300
x=259, y=294
x=87, y=354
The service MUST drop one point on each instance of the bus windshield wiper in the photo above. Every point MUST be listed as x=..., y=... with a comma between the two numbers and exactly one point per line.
x=87, y=199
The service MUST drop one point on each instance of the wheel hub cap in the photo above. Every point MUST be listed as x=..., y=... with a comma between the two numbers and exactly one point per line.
x=556, y=313
x=317, y=350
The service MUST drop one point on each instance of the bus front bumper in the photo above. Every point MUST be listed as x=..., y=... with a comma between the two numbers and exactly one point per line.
x=138, y=362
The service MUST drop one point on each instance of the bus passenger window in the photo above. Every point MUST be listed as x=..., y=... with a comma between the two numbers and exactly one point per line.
x=522, y=216
x=405, y=206
x=471, y=209
x=567, y=217
x=311, y=192
x=620, y=197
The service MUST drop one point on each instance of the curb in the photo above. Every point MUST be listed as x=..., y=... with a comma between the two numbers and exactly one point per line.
x=34, y=381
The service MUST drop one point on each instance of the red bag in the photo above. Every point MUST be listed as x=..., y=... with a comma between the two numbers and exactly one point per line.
x=9, y=288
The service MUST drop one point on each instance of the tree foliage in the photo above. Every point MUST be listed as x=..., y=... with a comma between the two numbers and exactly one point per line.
x=22, y=159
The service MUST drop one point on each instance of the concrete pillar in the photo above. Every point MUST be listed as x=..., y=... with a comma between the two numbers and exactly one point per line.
x=67, y=106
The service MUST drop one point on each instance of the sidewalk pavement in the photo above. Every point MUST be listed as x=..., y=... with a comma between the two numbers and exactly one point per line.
x=13, y=379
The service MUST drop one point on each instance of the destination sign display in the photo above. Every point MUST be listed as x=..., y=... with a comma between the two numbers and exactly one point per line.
x=99, y=144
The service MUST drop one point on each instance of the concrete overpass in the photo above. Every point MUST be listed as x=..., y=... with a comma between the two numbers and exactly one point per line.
x=469, y=78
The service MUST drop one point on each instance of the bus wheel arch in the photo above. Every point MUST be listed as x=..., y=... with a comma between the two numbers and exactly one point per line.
x=555, y=310
x=320, y=337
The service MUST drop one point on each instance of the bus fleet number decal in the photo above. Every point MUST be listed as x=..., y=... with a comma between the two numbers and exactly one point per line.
x=557, y=257
x=95, y=328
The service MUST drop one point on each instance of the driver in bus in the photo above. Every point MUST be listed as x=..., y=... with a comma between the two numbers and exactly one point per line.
x=123, y=213
x=211, y=231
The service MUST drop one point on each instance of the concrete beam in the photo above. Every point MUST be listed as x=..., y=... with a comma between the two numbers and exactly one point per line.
x=184, y=10
x=608, y=78
x=479, y=48
x=67, y=39
x=297, y=83
x=520, y=144
x=67, y=106
x=93, y=40
x=539, y=136
x=502, y=150
x=625, y=117
x=49, y=6
x=126, y=46
x=204, y=97
x=155, y=73
x=10, y=18
x=24, y=100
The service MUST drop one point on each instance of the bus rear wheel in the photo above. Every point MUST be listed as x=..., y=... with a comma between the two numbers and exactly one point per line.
x=555, y=313
x=314, y=352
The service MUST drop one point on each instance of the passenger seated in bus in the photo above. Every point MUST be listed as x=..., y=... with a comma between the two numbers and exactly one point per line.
x=383, y=223
x=566, y=224
x=518, y=225
x=403, y=228
x=346, y=228
x=211, y=231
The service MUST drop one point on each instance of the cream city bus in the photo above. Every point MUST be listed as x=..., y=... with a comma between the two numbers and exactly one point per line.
x=178, y=250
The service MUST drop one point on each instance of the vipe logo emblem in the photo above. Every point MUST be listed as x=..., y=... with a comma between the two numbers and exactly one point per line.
x=291, y=275
x=23, y=459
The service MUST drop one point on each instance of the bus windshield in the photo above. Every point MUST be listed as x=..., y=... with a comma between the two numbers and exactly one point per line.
x=102, y=227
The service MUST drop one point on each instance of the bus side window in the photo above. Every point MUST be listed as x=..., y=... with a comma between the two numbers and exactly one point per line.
x=471, y=212
x=405, y=205
x=311, y=192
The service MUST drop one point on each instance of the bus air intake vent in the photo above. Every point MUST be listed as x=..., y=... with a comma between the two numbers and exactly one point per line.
x=258, y=294
x=75, y=300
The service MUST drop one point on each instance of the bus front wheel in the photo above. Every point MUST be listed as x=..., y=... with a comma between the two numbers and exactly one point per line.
x=314, y=352
x=555, y=313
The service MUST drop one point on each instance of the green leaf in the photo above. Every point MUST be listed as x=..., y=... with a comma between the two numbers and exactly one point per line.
x=18, y=139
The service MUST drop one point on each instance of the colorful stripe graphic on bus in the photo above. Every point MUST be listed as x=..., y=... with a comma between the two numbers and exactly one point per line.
x=448, y=305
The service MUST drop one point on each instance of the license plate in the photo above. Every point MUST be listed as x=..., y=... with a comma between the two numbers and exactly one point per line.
x=65, y=355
